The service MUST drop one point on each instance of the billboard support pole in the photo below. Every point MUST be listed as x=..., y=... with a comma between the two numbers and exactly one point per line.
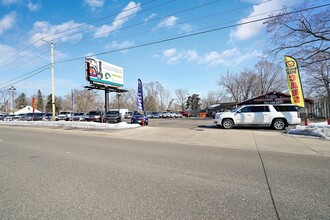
x=106, y=94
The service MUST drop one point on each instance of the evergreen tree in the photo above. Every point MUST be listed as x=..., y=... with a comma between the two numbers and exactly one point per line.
x=193, y=102
x=40, y=101
x=49, y=104
x=21, y=101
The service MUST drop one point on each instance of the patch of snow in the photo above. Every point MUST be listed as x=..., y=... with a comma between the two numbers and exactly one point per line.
x=321, y=130
x=70, y=124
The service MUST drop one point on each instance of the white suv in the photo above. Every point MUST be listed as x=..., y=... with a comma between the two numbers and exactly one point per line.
x=277, y=116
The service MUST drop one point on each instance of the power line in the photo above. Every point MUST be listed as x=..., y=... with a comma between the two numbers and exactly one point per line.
x=196, y=19
x=69, y=29
x=196, y=33
x=33, y=73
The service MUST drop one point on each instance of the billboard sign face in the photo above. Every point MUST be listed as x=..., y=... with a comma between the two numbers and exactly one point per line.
x=100, y=72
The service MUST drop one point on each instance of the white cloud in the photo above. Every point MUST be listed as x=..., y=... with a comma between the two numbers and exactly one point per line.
x=94, y=4
x=150, y=17
x=42, y=29
x=130, y=10
x=7, y=22
x=9, y=2
x=231, y=57
x=9, y=51
x=186, y=27
x=247, y=31
x=34, y=7
x=168, y=22
x=172, y=56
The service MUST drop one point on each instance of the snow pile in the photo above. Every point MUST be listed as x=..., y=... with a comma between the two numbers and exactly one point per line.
x=70, y=124
x=321, y=130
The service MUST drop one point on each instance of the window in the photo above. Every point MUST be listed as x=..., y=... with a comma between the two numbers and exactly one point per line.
x=285, y=108
x=260, y=109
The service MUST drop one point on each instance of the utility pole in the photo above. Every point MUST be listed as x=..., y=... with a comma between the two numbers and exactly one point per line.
x=52, y=76
x=12, y=89
x=53, y=84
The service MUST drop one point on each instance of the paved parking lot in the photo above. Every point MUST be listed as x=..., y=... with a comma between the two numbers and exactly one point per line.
x=202, y=132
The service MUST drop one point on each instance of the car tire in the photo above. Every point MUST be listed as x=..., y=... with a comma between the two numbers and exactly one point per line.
x=227, y=123
x=279, y=124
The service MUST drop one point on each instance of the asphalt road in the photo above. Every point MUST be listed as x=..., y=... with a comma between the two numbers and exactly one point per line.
x=61, y=174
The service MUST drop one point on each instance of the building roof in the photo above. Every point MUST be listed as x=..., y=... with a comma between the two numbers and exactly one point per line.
x=26, y=109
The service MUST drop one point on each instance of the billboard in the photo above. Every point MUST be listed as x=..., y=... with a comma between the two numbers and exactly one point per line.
x=100, y=72
x=294, y=83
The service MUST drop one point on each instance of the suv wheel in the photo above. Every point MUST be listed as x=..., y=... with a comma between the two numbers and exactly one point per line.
x=279, y=124
x=227, y=123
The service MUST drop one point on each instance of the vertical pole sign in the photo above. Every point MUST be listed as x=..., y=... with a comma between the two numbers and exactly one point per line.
x=34, y=104
x=294, y=83
x=139, y=103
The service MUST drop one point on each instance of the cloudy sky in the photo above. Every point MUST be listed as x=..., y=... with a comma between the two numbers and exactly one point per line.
x=152, y=40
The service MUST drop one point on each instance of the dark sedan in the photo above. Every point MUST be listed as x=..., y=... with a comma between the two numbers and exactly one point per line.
x=112, y=116
x=139, y=118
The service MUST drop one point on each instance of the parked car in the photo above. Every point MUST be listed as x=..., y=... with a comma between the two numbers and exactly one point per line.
x=9, y=117
x=64, y=115
x=2, y=117
x=36, y=116
x=275, y=116
x=128, y=115
x=96, y=116
x=78, y=116
x=155, y=115
x=19, y=117
x=137, y=118
x=48, y=116
x=185, y=114
x=112, y=116
x=165, y=114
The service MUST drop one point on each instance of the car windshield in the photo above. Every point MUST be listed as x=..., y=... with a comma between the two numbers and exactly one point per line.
x=113, y=112
x=94, y=113
x=78, y=113
x=136, y=113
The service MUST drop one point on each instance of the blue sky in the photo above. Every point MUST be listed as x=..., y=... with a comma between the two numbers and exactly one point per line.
x=82, y=28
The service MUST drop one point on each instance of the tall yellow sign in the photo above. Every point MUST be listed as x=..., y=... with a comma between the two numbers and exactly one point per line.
x=294, y=83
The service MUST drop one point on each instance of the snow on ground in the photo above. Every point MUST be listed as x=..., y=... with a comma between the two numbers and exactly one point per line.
x=319, y=130
x=70, y=124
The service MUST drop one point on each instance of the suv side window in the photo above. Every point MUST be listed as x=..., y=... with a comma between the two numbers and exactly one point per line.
x=246, y=109
x=285, y=108
x=258, y=109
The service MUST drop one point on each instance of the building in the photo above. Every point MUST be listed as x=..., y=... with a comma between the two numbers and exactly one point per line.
x=267, y=98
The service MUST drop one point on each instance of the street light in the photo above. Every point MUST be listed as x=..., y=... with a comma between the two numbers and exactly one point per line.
x=12, y=89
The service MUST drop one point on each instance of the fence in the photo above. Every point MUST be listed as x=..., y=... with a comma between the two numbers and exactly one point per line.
x=319, y=110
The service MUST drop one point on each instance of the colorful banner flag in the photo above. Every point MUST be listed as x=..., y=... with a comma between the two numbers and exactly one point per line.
x=294, y=83
x=34, y=104
x=139, y=103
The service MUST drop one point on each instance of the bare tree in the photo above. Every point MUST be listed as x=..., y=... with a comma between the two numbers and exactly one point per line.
x=317, y=80
x=84, y=101
x=129, y=99
x=304, y=35
x=5, y=96
x=239, y=85
x=212, y=98
x=181, y=97
x=269, y=77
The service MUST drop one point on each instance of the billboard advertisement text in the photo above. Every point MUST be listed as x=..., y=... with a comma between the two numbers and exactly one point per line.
x=104, y=73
